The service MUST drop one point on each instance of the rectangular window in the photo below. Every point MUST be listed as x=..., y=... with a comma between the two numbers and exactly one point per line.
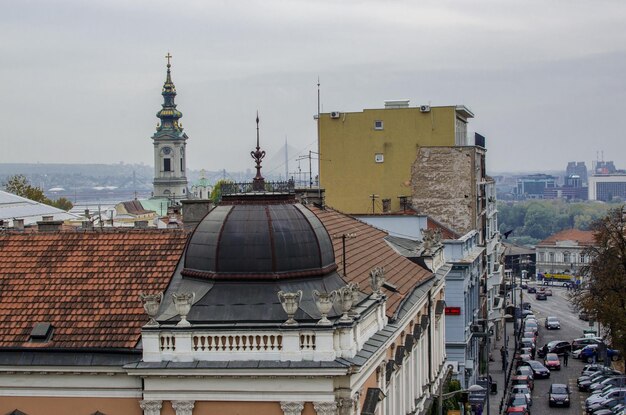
x=378, y=125
x=379, y=158
x=182, y=167
x=167, y=166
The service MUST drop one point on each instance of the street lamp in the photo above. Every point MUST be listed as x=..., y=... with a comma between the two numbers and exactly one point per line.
x=442, y=396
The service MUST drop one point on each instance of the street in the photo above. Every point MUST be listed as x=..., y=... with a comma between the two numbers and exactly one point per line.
x=571, y=328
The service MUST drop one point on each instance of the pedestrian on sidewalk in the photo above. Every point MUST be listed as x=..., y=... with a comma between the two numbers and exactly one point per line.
x=565, y=358
x=503, y=355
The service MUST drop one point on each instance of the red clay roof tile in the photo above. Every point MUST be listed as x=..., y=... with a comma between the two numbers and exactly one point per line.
x=368, y=250
x=86, y=285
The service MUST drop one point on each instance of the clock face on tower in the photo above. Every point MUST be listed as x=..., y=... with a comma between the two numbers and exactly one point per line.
x=166, y=150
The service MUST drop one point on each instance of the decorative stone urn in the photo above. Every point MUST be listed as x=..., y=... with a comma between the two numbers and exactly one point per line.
x=324, y=303
x=345, y=298
x=183, y=302
x=377, y=279
x=290, y=303
x=354, y=286
x=151, y=304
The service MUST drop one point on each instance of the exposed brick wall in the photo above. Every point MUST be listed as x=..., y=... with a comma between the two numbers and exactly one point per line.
x=443, y=184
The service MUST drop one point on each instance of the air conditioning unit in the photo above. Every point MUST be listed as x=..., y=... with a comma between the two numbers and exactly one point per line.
x=425, y=108
x=335, y=114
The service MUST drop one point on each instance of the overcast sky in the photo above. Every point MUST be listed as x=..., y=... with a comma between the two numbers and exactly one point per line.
x=81, y=80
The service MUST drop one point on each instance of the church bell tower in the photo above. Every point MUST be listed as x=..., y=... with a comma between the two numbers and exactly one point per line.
x=170, y=141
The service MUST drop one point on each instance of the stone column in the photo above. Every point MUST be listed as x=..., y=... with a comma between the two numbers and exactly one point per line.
x=183, y=407
x=292, y=408
x=151, y=407
x=325, y=408
x=346, y=406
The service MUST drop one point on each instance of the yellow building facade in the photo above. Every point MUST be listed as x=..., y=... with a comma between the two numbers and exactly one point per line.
x=371, y=152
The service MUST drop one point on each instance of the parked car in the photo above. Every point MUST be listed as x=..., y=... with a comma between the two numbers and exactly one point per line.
x=526, y=306
x=552, y=323
x=559, y=395
x=523, y=380
x=532, y=290
x=528, y=342
x=539, y=370
x=587, y=353
x=608, y=404
x=584, y=341
x=541, y=296
x=531, y=325
x=556, y=346
x=585, y=384
x=530, y=334
x=526, y=313
x=548, y=292
x=525, y=390
x=526, y=371
x=552, y=361
x=524, y=285
x=583, y=315
x=519, y=399
x=607, y=383
x=517, y=410
x=615, y=410
x=605, y=396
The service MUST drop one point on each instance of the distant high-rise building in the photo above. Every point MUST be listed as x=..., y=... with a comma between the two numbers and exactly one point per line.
x=533, y=186
x=575, y=172
x=170, y=143
x=604, y=167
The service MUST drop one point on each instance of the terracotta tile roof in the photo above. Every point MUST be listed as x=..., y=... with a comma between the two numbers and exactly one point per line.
x=446, y=233
x=582, y=237
x=368, y=250
x=86, y=285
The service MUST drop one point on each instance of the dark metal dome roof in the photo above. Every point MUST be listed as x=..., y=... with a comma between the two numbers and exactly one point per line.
x=259, y=239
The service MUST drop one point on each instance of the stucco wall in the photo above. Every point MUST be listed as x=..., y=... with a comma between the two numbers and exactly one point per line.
x=63, y=406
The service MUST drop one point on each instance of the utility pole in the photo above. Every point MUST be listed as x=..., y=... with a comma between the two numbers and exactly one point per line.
x=373, y=197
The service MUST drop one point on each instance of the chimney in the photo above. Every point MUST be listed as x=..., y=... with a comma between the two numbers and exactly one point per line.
x=49, y=226
x=172, y=223
x=87, y=214
x=18, y=224
x=87, y=225
x=141, y=224
x=194, y=211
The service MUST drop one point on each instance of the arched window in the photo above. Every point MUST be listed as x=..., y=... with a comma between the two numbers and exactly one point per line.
x=566, y=257
x=551, y=255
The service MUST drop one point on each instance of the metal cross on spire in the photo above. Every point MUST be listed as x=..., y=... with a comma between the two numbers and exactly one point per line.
x=168, y=57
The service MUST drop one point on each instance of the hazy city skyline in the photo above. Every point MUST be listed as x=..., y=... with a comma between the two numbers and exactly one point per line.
x=82, y=81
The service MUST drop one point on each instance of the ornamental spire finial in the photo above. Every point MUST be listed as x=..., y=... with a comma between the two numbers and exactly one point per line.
x=258, y=183
x=168, y=57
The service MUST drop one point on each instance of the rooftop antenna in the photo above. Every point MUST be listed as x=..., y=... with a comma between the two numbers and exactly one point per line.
x=373, y=197
x=319, y=161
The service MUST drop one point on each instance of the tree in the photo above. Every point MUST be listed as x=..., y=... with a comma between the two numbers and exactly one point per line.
x=603, y=294
x=19, y=185
x=216, y=193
